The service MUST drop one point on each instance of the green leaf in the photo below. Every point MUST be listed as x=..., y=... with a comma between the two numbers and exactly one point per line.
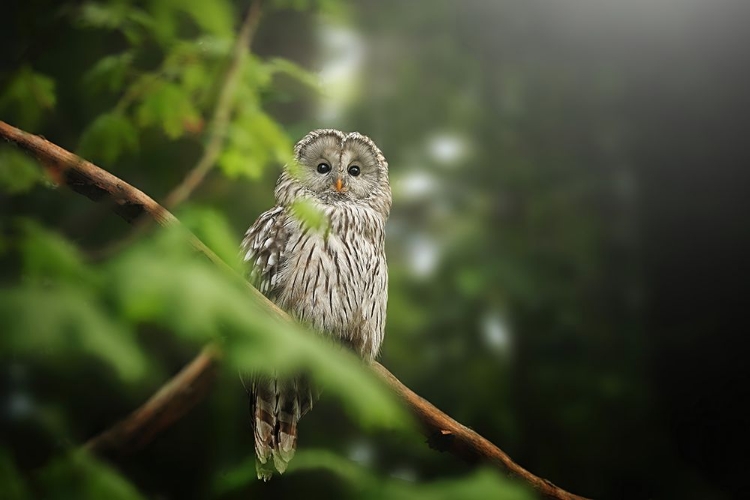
x=170, y=107
x=57, y=310
x=266, y=345
x=165, y=21
x=79, y=475
x=108, y=137
x=366, y=484
x=213, y=17
x=195, y=77
x=310, y=215
x=110, y=72
x=244, y=473
x=216, y=18
x=214, y=230
x=296, y=72
x=130, y=21
x=139, y=24
x=195, y=52
x=254, y=142
x=48, y=256
x=28, y=94
x=214, y=47
x=18, y=172
x=256, y=75
x=480, y=485
x=97, y=15
x=325, y=459
x=235, y=163
x=63, y=321
x=160, y=282
x=235, y=478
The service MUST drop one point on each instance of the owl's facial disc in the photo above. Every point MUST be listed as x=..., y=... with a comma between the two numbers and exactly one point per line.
x=335, y=167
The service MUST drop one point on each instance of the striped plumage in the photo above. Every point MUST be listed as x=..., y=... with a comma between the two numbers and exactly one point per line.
x=334, y=278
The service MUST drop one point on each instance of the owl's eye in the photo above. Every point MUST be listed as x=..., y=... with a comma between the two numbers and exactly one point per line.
x=354, y=170
x=323, y=168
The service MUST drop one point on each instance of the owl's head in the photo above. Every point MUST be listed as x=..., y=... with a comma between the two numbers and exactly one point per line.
x=335, y=167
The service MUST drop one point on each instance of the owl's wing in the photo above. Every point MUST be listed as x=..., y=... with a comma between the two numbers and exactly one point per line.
x=263, y=247
x=276, y=405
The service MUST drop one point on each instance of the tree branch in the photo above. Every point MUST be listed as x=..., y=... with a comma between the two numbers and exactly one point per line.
x=170, y=403
x=87, y=179
x=192, y=384
x=220, y=121
x=445, y=434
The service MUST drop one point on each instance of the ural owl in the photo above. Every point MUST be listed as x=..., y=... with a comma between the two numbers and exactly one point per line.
x=335, y=281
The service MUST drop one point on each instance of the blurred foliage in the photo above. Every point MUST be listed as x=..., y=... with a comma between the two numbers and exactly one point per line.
x=62, y=310
x=28, y=94
x=73, y=475
x=551, y=169
x=173, y=87
x=18, y=172
x=362, y=483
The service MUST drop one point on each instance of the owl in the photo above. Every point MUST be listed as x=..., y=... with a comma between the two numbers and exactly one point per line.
x=332, y=279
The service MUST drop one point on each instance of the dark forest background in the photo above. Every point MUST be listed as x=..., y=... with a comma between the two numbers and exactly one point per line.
x=568, y=245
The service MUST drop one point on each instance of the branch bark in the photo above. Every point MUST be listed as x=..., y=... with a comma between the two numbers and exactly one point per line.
x=445, y=434
x=192, y=384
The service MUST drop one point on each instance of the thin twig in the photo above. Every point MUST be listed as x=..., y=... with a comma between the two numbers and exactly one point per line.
x=220, y=121
x=171, y=403
x=217, y=130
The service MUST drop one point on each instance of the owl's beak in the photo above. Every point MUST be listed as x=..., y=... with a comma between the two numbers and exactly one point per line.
x=338, y=185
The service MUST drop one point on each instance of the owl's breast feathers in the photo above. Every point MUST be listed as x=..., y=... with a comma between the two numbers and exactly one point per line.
x=335, y=280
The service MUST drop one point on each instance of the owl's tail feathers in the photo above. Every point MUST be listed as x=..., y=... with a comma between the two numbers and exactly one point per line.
x=276, y=406
x=263, y=413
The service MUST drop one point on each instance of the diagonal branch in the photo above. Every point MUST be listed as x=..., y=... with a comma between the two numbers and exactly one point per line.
x=170, y=403
x=189, y=386
x=445, y=434
x=220, y=120
x=100, y=186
